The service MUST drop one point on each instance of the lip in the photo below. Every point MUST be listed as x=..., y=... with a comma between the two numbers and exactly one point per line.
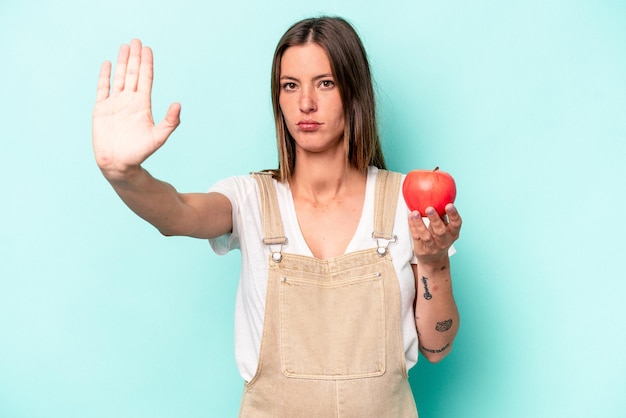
x=308, y=125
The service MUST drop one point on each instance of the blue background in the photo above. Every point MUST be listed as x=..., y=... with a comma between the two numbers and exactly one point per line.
x=522, y=101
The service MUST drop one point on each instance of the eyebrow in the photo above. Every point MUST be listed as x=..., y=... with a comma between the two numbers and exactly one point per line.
x=317, y=77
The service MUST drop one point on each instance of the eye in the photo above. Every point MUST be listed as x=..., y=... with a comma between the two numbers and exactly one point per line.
x=328, y=84
x=289, y=86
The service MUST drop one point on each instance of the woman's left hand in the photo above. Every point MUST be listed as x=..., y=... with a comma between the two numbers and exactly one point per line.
x=431, y=243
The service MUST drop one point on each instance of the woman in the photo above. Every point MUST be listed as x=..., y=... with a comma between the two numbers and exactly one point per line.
x=327, y=318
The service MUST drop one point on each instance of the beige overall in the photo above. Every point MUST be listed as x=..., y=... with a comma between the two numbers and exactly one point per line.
x=332, y=338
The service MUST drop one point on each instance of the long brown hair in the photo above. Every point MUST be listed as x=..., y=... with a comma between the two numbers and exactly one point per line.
x=350, y=68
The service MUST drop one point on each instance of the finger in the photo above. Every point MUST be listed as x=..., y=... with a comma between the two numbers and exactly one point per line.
x=169, y=123
x=419, y=231
x=454, y=218
x=437, y=224
x=132, y=69
x=146, y=71
x=104, y=81
x=119, y=76
x=172, y=117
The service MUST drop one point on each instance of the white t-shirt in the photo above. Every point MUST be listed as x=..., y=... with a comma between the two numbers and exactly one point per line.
x=247, y=235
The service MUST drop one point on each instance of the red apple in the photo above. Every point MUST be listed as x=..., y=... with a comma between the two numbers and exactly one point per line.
x=424, y=188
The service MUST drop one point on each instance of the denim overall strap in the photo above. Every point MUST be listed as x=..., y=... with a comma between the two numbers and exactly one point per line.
x=387, y=190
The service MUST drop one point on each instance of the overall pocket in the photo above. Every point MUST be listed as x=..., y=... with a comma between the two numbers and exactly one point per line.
x=332, y=329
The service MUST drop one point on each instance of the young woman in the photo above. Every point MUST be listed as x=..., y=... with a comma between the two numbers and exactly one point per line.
x=327, y=317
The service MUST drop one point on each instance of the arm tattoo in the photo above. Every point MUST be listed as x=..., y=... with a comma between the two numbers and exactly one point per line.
x=427, y=294
x=443, y=326
x=441, y=350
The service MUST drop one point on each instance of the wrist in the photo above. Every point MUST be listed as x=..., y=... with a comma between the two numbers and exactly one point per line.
x=428, y=265
x=116, y=172
x=123, y=176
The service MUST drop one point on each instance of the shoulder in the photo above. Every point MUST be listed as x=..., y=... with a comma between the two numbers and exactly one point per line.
x=373, y=174
x=233, y=182
x=237, y=189
x=375, y=171
x=245, y=189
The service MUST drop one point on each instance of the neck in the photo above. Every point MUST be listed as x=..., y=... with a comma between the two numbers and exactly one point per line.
x=321, y=180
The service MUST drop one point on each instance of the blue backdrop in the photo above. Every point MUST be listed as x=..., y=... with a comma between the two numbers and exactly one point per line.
x=523, y=102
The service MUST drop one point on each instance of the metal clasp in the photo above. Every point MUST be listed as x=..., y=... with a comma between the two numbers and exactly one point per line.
x=277, y=256
x=276, y=247
x=382, y=244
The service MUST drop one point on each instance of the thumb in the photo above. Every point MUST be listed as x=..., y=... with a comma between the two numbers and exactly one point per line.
x=170, y=122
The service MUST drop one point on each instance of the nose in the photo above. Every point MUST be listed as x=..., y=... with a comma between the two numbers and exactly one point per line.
x=308, y=101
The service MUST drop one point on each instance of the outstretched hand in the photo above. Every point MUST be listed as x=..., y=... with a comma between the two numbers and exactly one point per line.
x=124, y=134
x=431, y=243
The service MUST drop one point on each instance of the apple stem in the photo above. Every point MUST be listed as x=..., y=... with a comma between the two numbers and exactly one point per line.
x=436, y=168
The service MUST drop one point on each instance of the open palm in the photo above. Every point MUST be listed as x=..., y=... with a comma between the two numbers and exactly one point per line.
x=124, y=133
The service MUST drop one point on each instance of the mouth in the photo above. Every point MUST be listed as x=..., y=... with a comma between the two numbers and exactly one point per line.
x=308, y=125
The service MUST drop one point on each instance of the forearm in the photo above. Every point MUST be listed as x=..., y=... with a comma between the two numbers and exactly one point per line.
x=153, y=200
x=436, y=313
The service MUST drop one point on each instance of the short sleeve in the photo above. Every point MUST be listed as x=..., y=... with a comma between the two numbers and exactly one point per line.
x=229, y=241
